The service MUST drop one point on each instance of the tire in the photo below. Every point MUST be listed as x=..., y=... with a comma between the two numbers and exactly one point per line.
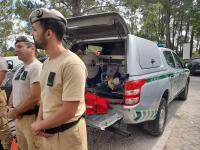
x=157, y=126
x=184, y=94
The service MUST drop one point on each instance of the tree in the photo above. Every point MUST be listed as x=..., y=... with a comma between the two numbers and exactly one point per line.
x=196, y=19
x=84, y=7
x=23, y=9
x=164, y=21
x=5, y=22
x=152, y=24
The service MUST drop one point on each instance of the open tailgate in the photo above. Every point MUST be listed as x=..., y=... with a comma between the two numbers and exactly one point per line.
x=96, y=26
x=105, y=120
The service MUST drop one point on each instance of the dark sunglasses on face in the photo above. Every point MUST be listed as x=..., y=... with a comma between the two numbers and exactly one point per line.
x=17, y=77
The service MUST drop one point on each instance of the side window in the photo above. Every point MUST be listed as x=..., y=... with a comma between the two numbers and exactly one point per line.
x=169, y=58
x=178, y=62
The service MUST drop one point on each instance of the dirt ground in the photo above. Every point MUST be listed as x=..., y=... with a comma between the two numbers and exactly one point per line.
x=186, y=133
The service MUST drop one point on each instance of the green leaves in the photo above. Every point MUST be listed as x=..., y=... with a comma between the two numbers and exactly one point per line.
x=157, y=20
x=22, y=10
x=5, y=22
x=196, y=20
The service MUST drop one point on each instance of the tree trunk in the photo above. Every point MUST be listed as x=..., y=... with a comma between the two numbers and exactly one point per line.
x=179, y=34
x=197, y=47
x=181, y=50
x=76, y=8
x=186, y=32
x=191, y=43
x=168, y=13
x=173, y=33
x=159, y=26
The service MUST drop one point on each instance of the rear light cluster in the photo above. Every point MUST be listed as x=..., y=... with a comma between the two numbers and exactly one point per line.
x=132, y=91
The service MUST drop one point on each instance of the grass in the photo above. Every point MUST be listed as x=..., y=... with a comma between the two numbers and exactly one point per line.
x=194, y=55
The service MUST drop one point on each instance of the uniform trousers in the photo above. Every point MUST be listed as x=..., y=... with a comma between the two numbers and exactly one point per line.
x=5, y=133
x=25, y=136
x=74, y=138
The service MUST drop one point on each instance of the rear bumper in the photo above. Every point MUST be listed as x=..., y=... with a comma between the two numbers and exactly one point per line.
x=135, y=115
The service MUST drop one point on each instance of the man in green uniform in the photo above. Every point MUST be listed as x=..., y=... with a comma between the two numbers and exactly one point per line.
x=62, y=85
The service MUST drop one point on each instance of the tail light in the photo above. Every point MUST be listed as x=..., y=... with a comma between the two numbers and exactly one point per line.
x=132, y=90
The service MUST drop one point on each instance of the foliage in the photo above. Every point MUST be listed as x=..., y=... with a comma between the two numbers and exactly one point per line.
x=8, y=53
x=41, y=53
x=83, y=7
x=196, y=20
x=166, y=21
x=151, y=27
x=5, y=21
x=23, y=8
x=195, y=55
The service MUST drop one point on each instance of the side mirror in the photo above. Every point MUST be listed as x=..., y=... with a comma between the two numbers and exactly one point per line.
x=186, y=65
x=10, y=64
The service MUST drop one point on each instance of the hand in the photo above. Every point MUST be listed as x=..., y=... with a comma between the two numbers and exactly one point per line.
x=35, y=126
x=12, y=113
x=43, y=134
x=38, y=131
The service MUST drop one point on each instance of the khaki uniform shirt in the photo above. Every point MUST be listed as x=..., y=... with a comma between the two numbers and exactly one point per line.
x=3, y=67
x=63, y=79
x=27, y=75
x=5, y=134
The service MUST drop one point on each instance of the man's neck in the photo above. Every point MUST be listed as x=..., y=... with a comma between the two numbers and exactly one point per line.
x=55, y=50
x=29, y=61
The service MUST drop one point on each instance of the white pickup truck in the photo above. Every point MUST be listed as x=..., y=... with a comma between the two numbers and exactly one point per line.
x=137, y=77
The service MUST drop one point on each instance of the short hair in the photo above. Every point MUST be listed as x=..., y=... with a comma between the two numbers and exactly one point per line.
x=28, y=41
x=58, y=27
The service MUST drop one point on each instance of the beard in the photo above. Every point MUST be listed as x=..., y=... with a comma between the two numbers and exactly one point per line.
x=41, y=43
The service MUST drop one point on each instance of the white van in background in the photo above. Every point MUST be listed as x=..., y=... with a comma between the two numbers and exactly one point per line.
x=12, y=61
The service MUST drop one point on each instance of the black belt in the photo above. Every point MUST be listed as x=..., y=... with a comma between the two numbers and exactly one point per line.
x=31, y=111
x=62, y=127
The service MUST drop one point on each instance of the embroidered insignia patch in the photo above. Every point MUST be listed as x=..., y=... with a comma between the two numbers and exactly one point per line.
x=24, y=75
x=51, y=78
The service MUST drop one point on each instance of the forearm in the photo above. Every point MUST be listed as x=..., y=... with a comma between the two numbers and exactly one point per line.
x=63, y=114
x=2, y=76
x=59, y=117
x=26, y=105
x=40, y=112
x=10, y=101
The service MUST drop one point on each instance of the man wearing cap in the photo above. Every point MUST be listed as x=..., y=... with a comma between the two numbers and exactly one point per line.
x=5, y=133
x=26, y=94
x=62, y=85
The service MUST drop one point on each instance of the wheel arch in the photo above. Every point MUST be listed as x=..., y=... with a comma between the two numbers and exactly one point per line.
x=166, y=95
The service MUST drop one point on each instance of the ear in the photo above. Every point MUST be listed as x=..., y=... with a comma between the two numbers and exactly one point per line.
x=49, y=33
x=33, y=48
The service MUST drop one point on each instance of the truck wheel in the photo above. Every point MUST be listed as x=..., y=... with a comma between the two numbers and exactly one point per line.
x=157, y=126
x=183, y=95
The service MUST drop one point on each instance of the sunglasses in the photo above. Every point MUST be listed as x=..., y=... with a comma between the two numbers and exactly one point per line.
x=19, y=73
